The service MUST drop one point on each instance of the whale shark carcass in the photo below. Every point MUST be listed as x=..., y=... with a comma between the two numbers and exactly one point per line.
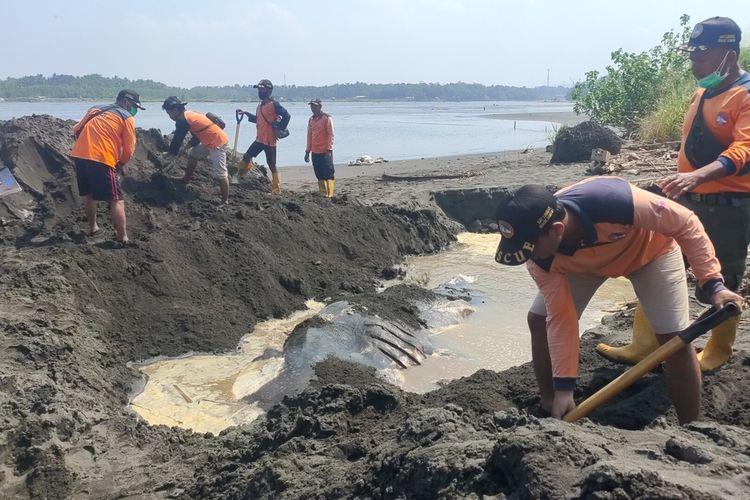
x=347, y=332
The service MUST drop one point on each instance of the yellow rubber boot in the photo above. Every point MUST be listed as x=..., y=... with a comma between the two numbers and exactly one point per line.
x=718, y=349
x=275, y=184
x=322, y=188
x=644, y=342
x=329, y=185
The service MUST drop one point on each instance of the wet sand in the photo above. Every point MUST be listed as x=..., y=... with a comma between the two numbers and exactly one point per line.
x=561, y=117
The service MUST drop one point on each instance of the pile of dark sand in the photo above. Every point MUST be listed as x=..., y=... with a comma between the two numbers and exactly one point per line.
x=573, y=144
x=75, y=310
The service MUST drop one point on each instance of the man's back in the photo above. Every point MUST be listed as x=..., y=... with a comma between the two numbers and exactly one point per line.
x=106, y=134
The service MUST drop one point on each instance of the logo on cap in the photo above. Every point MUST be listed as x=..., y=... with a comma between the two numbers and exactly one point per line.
x=506, y=230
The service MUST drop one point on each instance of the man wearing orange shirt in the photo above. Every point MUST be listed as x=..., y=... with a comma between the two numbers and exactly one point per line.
x=712, y=179
x=602, y=228
x=212, y=142
x=320, y=144
x=105, y=141
x=271, y=120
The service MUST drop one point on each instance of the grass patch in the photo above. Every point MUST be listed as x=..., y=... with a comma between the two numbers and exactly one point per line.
x=665, y=124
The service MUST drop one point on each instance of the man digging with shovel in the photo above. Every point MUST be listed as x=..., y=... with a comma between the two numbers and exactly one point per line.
x=211, y=142
x=602, y=228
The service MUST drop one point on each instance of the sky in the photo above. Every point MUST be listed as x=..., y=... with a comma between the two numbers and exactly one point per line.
x=319, y=42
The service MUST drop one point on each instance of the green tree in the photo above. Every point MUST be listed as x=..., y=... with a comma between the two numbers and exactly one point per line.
x=631, y=87
x=665, y=122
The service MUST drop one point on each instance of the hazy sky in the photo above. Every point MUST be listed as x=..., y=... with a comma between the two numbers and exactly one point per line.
x=217, y=42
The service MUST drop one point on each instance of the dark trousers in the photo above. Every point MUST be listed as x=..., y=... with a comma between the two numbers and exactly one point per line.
x=323, y=166
x=255, y=149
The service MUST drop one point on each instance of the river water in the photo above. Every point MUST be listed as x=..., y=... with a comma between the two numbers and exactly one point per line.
x=204, y=392
x=392, y=130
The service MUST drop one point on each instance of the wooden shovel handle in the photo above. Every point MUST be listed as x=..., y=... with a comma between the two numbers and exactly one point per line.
x=625, y=380
x=709, y=319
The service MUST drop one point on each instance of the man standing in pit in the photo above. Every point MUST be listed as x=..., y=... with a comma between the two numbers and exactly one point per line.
x=212, y=142
x=105, y=141
x=602, y=228
x=320, y=144
x=271, y=121
x=712, y=180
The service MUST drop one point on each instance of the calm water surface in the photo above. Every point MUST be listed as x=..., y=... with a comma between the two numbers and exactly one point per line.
x=393, y=130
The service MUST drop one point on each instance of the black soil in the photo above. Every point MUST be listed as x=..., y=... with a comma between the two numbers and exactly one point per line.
x=574, y=144
x=75, y=309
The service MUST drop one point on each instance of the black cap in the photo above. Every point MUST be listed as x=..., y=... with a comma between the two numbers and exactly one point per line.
x=521, y=217
x=132, y=95
x=264, y=84
x=316, y=101
x=714, y=32
x=173, y=102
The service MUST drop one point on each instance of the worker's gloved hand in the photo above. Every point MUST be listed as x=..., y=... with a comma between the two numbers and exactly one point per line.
x=243, y=112
x=307, y=157
x=723, y=296
x=562, y=404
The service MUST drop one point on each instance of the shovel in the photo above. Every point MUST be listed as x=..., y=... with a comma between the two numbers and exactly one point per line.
x=234, y=178
x=710, y=318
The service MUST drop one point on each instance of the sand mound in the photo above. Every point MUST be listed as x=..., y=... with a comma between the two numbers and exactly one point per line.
x=575, y=143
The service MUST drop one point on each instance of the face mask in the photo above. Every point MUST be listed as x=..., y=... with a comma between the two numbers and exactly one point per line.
x=714, y=79
x=133, y=110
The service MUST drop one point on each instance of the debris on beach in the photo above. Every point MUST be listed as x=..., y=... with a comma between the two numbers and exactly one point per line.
x=427, y=177
x=636, y=159
x=367, y=160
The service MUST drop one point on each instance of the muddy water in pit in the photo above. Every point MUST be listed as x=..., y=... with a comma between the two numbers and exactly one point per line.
x=204, y=392
x=494, y=335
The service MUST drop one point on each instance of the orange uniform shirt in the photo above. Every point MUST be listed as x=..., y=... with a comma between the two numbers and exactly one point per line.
x=207, y=132
x=625, y=229
x=106, y=137
x=266, y=115
x=320, y=134
x=727, y=116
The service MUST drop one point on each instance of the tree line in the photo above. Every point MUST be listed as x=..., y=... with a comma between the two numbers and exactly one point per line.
x=100, y=87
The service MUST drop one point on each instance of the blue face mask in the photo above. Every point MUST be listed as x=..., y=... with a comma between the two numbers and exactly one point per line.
x=714, y=79
x=133, y=110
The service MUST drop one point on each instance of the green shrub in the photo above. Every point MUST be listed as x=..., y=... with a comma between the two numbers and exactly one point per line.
x=631, y=88
x=745, y=57
x=665, y=123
